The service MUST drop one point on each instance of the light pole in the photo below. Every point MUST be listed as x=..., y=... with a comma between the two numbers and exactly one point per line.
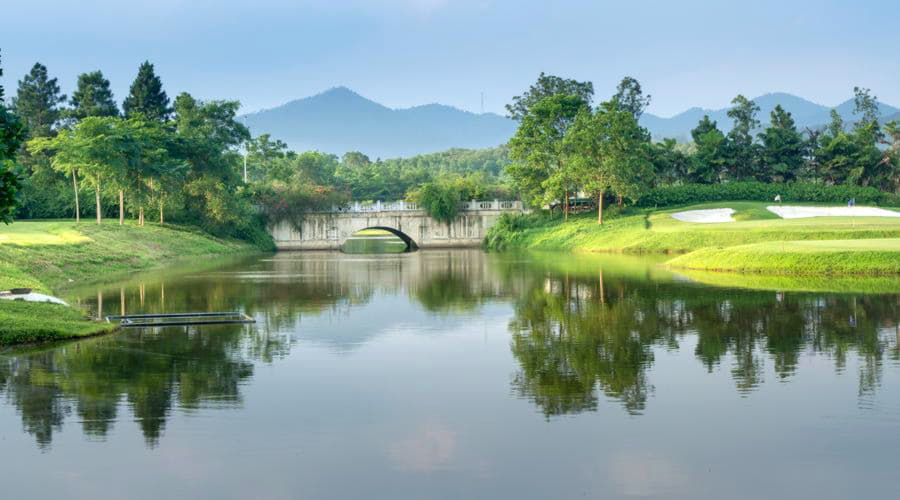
x=246, y=152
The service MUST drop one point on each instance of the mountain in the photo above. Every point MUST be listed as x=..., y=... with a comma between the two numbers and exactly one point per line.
x=340, y=120
x=805, y=113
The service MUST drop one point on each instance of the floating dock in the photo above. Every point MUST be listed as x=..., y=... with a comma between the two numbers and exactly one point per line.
x=180, y=319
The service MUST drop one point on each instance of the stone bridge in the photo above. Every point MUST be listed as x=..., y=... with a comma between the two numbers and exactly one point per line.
x=329, y=230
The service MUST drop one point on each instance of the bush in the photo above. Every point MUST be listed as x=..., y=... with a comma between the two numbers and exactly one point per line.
x=757, y=191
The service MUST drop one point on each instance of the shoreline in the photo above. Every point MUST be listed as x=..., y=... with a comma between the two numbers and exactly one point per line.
x=52, y=255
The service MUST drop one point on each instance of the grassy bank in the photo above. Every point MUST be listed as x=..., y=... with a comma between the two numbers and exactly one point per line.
x=758, y=241
x=866, y=256
x=50, y=255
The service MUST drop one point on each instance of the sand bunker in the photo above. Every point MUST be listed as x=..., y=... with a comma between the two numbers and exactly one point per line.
x=793, y=212
x=707, y=216
x=33, y=297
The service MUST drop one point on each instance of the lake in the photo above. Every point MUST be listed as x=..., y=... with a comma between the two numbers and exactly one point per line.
x=460, y=374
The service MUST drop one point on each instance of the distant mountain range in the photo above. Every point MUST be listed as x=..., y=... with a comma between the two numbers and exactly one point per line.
x=340, y=120
x=805, y=113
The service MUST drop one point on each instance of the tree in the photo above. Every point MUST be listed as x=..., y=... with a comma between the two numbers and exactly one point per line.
x=37, y=101
x=835, y=152
x=96, y=147
x=631, y=98
x=608, y=150
x=147, y=96
x=707, y=163
x=12, y=135
x=92, y=97
x=671, y=162
x=865, y=106
x=741, y=151
x=539, y=169
x=261, y=153
x=546, y=86
x=440, y=200
x=892, y=155
x=783, y=147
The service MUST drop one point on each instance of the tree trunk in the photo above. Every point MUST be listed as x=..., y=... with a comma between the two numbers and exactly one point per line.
x=619, y=200
x=77, y=204
x=141, y=216
x=600, y=209
x=566, y=206
x=162, y=220
x=97, y=193
x=121, y=207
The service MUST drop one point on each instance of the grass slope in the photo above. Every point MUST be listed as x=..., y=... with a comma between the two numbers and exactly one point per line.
x=48, y=255
x=657, y=231
x=861, y=256
x=758, y=241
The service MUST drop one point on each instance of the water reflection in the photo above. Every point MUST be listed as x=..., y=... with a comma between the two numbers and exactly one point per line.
x=581, y=331
x=577, y=330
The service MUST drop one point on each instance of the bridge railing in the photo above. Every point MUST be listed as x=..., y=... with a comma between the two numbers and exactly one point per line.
x=404, y=206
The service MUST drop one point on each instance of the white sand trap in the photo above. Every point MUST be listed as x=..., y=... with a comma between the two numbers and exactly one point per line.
x=793, y=212
x=707, y=216
x=33, y=297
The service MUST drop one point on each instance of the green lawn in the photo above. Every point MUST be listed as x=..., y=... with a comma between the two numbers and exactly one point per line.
x=861, y=256
x=758, y=241
x=656, y=231
x=50, y=255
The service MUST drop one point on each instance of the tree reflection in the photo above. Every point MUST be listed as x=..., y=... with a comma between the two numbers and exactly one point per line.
x=578, y=333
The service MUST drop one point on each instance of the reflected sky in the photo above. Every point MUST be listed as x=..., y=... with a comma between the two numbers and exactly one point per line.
x=451, y=374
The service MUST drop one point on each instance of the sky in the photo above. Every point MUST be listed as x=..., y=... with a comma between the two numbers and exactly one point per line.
x=405, y=53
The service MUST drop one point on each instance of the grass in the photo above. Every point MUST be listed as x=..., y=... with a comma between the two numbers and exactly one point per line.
x=24, y=322
x=758, y=241
x=859, y=256
x=52, y=255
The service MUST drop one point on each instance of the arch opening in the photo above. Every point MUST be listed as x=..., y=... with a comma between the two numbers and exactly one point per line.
x=379, y=239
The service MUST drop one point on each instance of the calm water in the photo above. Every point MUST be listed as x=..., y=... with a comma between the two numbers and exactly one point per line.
x=456, y=374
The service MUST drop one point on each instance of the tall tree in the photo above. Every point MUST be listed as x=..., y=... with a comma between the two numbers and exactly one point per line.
x=97, y=147
x=742, y=152
x=865, y=106
x=546, y=86
x=783, y=147
x=707, y=163
x=92, y=97
x=631, y=98
x=147, y=96
x=608, y=150
x=12, y=135
x=38, y=101
x=539, y=168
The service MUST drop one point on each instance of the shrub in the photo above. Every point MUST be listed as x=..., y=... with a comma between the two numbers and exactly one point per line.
x=758, y=191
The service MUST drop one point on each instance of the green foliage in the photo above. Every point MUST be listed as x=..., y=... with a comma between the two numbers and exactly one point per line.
x=27, y=322
x=442, y=197
x=92, y=97
x=708, y=161
x=666, y=196
x=783, y=148
x=440, y=201
x=538, y=169
x=12, y=135
x=742, y=154
x=37, y=102
x=630, y=97
x=548, y=86
x=146, y=95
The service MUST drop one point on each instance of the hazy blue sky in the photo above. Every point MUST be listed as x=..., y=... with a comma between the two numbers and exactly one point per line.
x=408, y=52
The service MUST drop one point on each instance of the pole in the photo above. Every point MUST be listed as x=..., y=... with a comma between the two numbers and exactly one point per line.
x=245, y=166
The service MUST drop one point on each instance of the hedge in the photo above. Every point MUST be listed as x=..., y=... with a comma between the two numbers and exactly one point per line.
x=758, y=191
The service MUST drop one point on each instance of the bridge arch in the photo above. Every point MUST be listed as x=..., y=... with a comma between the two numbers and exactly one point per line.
x=411, y=245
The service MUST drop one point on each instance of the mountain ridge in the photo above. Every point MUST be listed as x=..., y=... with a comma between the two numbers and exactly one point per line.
x=339, y=120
